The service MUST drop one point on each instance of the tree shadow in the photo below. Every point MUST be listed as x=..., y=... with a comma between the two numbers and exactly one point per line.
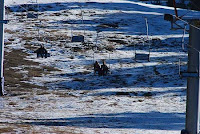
x=150, y=121
x=178, y=92
x=127, y=12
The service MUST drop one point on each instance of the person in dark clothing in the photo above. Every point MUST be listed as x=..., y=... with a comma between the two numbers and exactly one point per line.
x=44, y=52
x=96, y=67
x=104, y=68
x=41, y=52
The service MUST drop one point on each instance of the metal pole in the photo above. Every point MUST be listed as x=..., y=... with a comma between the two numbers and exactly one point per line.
x=109, y=61
x=179, y=66
x=1, y=47
x=135, y=52
x=183, y=37
x=174, y=4
x=147, y=28
x=193, y=83
x=82, y=18
x=96, y=39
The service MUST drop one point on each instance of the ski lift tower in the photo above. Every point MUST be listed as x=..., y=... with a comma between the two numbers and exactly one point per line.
x=193, y=81
x=2, y=22
x=193, y=86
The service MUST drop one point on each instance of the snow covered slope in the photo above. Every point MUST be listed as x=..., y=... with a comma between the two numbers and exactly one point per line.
x=136, y=97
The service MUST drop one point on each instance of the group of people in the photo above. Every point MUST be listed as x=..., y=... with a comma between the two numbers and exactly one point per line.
x=101, y=70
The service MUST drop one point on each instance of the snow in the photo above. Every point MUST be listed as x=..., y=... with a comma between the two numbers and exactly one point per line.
x=154, y=98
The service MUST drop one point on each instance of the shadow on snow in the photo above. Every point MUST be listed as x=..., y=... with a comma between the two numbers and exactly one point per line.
x=152, y=120
x=159, y=75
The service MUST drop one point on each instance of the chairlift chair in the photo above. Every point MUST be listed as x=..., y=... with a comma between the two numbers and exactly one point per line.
x=142, y=56
x=79, y=38
x=104, y=56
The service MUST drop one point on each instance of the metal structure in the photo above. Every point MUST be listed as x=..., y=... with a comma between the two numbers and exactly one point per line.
x=2, y=22
x=142, y=56
x=175, y=10
x=79, y=38
x=174, y=19
x=193, y=82
x=192, y=74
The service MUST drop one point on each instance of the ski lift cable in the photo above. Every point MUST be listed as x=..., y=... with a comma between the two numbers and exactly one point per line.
x=194, y=48
x=185, y=13
x=23, y=8
x=187, y=23
x=188, y=44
